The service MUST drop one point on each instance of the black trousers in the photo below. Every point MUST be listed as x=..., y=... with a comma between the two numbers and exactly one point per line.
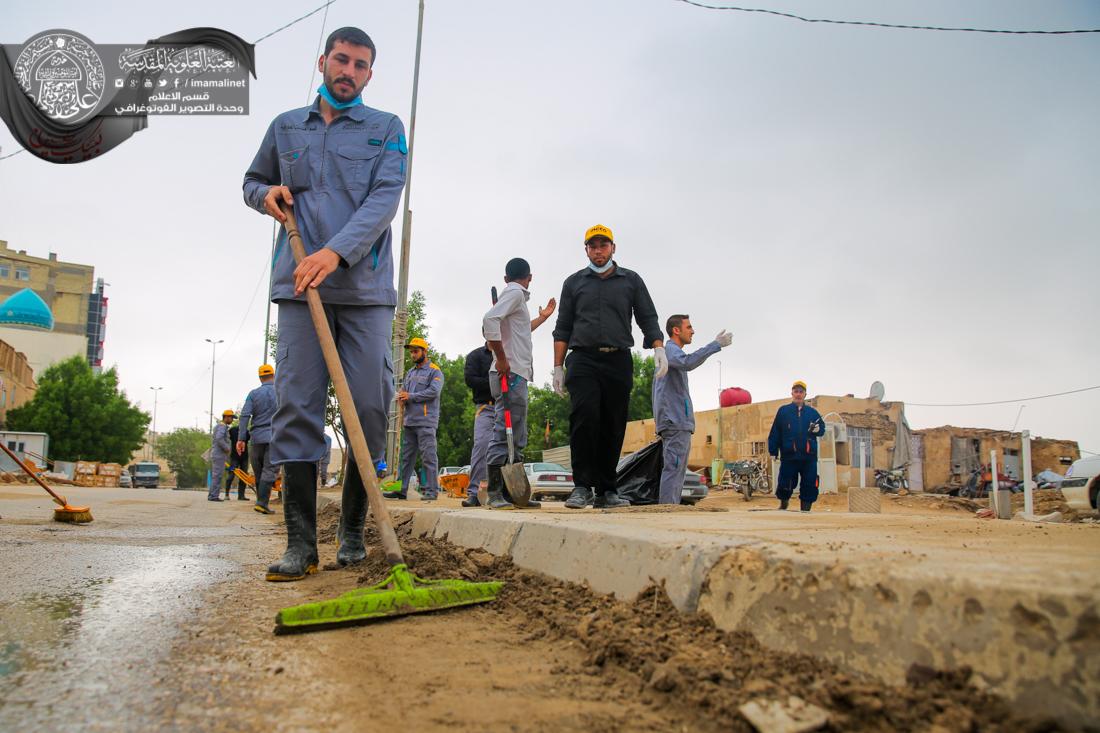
x=235, y=461
x=599, y=392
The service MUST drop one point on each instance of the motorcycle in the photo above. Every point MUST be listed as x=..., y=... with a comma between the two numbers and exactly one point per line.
x=749, y=476
x=894, y=480
x=980, y=481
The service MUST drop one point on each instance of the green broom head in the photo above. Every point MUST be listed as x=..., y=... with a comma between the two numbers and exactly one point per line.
x=400, y=593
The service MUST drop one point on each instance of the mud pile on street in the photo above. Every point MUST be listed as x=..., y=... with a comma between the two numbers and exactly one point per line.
x=651, y=652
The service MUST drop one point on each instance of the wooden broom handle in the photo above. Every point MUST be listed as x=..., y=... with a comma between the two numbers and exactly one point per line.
x=59, y=499
x=356, y=439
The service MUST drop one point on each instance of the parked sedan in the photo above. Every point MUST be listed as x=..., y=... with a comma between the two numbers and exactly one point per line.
x=695, y=489
x=549, y=480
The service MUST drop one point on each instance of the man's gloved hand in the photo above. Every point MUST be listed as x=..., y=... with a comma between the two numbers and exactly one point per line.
x=559, y=381
x=724, y=338
x=660, y=362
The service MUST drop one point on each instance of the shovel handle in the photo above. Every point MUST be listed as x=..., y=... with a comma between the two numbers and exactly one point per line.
x=356, y=437
x=507, y=418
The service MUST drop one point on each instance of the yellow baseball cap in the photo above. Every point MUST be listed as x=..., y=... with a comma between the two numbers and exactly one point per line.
x=417, y=342
x=229, y=413
x=799, y=383
x=266, y=370
x=598, y=230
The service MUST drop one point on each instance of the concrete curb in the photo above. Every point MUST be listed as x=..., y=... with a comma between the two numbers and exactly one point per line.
x=1037, y=647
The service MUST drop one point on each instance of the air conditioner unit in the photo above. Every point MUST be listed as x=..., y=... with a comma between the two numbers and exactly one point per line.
x=840, y=431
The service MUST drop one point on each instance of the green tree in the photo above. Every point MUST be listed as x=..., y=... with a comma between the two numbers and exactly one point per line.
x=641, y=395
x=182, y=449
x=545, y=406
x=85, y=414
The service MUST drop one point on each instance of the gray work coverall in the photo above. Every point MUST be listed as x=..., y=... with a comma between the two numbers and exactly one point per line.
x=424, y=383
x=346, y=178
x=674, y=415
x=219, y=454
x=256, y=416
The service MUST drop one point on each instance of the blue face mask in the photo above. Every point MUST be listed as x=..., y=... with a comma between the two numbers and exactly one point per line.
x=601, y=270
x=324, y=92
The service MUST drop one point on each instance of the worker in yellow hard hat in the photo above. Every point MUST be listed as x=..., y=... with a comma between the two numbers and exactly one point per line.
x=420, y=396
x=256, y=416
x=793, y=438
x=219, y=453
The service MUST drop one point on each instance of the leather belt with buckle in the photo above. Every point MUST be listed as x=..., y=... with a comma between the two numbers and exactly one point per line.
x=607, y=349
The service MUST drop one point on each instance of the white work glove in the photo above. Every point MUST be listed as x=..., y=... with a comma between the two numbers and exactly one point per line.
x=559, y=381
x=660, y=362
x=724, y=338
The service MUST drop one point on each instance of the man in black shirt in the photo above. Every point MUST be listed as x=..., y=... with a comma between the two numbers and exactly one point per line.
x=478, y=363
x=235, y=461
x=594, y=326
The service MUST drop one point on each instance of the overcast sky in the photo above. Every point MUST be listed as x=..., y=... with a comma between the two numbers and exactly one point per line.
x=854, y=204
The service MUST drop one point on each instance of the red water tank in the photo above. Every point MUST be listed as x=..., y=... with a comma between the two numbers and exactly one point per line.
x=733, y=396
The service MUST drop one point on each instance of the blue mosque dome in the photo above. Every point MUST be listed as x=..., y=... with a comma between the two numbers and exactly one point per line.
x=26, y=308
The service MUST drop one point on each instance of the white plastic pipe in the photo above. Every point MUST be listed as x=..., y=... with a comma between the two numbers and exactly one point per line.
x=1025, y=451
x=993, y=487
x=862, y=467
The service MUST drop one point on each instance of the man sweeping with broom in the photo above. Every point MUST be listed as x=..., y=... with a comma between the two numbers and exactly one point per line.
x=341, y=166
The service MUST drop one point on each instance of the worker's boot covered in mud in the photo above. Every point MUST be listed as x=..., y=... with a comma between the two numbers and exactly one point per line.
x=580, y=498
x=263, y=497
x=496, y=490
x=353, y=513
x=300, y=510
x=806, y=505
x=471, y=499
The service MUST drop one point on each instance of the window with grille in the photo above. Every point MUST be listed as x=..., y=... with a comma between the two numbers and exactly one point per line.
x=5, y=270
x=759, y=448
x=860, y=440
x=22, y=273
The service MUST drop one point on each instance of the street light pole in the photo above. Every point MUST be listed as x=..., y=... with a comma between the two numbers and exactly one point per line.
x=400, y=329
x=156, y=393
x=213, y=361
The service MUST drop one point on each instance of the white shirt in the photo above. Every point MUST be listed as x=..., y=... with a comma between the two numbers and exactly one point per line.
x=509, y=322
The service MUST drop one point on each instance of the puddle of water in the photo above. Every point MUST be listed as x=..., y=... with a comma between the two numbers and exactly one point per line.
x=81, y=657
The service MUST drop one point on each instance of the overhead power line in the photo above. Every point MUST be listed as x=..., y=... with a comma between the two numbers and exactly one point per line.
x=792, y=16
x=280, y=29
x=1002, y=402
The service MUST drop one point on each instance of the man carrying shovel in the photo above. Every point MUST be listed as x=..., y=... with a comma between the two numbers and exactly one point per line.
x=507, y=327
x=341, y=165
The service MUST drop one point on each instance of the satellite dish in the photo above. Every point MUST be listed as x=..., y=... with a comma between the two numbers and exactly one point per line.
x=878, y=391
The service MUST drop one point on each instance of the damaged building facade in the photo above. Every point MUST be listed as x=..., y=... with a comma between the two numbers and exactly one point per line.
x=876, y=429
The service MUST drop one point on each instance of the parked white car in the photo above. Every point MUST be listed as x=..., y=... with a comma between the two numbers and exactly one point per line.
x=1082, y=483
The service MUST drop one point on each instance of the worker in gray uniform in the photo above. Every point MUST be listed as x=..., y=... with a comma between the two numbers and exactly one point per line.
x=219, y=454
x=420, y=397
x=673, y=412
x=341, y=165
x=256, y=416
x=507, y=327
x=476, y=374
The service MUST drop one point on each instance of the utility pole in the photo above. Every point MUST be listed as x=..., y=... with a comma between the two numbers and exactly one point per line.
x=156, y=393
x=213, y=361
x=720, y=457
x=400, y=324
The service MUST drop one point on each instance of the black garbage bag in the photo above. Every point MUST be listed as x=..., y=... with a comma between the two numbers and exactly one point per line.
x=638, y=476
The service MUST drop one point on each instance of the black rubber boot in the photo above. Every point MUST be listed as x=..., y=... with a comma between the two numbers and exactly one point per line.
x=471, y=497
x=609, y=500
x=496, y=490
x=353, y=513
x=783, y=505
x=580, y=498
x=263, y=496
x=300, y=510
x=806, y=505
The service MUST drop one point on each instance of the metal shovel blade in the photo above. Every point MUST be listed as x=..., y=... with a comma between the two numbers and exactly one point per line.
x=515, y=479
